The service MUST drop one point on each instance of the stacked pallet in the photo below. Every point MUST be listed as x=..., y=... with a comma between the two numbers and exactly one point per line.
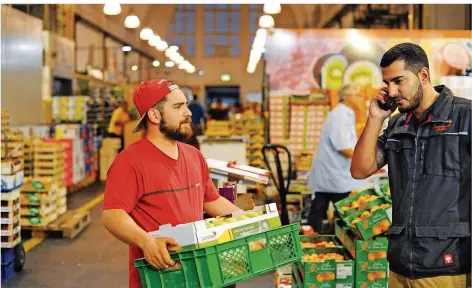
x=43, y=198
x=29, y=155
x=5, y=120
x=108, y=152
x=12, y=179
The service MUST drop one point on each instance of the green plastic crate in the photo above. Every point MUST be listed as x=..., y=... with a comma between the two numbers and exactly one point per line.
x=227, y=263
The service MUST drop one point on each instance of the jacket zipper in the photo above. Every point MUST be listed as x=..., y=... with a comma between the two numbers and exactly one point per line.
x=411, y=208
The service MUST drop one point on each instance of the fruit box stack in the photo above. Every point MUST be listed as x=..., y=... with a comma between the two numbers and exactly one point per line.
x=371, y=263
x=218, y=230
x=74, y=132
x=320, y=241
x=329, y=267
x=69, y=108
x=279, y=118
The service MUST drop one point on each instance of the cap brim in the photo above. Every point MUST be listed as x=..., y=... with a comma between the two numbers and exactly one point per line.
x=140, y=125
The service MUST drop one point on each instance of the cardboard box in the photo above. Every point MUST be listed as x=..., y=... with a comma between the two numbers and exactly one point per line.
x=340, y=205
x=374, y=225
x=371, y=250
x=347, y=238
x=219, y=230
x=329, y=273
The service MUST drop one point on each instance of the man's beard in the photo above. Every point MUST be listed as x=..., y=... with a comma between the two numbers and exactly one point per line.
x=414, y=102
x=175, y=133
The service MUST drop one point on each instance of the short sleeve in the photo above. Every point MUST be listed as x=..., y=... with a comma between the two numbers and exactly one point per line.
x=122, y=189
x=210, y=191
x=344, y=137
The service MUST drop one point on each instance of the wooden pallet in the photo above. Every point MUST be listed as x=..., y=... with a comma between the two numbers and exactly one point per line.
x=68, y=226
x=9, y=205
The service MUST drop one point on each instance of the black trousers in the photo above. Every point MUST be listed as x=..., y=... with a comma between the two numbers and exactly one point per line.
x=319, y=207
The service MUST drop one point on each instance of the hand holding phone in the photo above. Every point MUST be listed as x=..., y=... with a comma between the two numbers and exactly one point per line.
x=382, y=105
x=389, y=104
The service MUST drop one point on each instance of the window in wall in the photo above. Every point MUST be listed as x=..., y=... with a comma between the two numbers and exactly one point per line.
x=222, y=33
x=182, y=29
x=255, y=12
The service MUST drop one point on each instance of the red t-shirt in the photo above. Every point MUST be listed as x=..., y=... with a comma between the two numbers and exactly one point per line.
x=155, y=189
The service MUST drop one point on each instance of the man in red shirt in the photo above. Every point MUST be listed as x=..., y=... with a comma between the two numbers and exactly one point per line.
x=158, y=180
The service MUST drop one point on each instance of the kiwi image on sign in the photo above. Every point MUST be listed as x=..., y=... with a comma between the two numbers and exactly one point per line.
x=364, y=73
x=328, y=71
x=451, y=59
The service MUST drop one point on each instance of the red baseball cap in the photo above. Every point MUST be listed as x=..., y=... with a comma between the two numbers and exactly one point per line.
x=148, y=94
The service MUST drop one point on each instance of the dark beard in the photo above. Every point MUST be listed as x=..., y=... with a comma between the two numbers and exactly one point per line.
x=174, y=133
x=414, y=102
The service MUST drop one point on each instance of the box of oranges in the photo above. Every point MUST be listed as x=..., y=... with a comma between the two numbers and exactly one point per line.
x=326, y=268
x=372, y=263
x=346, y=236
x=361, y=201
x=370, y=222
x=320, y=241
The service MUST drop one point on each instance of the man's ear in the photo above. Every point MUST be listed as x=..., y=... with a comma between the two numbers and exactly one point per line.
x=424, y=76
x=154, y=116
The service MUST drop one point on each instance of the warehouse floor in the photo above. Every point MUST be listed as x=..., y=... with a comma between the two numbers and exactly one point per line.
x=93, y=259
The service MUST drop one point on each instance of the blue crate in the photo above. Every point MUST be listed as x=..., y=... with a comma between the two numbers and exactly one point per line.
x=8, y=255
x=8, y=271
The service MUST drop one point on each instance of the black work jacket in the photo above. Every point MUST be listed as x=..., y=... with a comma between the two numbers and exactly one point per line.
x=429, y=168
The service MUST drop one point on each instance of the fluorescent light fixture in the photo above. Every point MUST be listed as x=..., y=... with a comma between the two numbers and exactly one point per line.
x=173, y=47
x=272, y=7
x=134, y=67
x=266, y=22
x=190, y=69
x=112, y=7
x=154, y=40
x=184, y=65
x=171, y=52
x=156, y=63
x=132, y=21
x=126, y=48
x=225, y=77
x=162, y=45
x=146, y=34
x=169, y=64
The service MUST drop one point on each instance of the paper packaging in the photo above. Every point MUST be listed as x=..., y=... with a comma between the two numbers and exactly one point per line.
x=219, y=230
x=12, y=182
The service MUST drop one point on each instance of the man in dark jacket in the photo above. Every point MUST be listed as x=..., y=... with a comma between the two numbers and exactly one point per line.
x=428, y=151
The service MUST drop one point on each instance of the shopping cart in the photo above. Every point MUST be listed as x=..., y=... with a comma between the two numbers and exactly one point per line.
x=282, y=183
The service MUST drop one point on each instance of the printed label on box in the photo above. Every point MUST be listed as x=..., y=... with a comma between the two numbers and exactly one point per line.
x=343, y=271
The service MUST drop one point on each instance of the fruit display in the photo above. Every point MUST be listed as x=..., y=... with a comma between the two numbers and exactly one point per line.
x=366, y=214
x=358, y=201
x=320, y=241
x=323, y=257
x=219, y=221
x=366, y=224
x=361, y=202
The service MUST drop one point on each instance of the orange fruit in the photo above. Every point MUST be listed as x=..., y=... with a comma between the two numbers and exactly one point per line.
x=371, y=256
x=371, y=276
x=330, y=276
x=366, y=224
x=380, y=274
x=376, y=231
x=320, y=278
x=381, y=254
x=365, y=246
x=364, y=285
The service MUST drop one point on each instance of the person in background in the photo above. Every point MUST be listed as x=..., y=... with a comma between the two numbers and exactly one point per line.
x=427, y=147
x=218, y=111
x=158, y=179
x=119, y=118
x=198, y=115
x=330, y=178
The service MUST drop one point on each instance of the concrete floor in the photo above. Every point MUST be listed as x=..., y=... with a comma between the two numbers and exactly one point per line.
x=93, y=259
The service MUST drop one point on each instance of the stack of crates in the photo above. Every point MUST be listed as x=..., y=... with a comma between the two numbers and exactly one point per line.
x=218, y=128
x=108, y=152
x=29, y=156
x=12, y=179
x=43, y=197
x=5, y=120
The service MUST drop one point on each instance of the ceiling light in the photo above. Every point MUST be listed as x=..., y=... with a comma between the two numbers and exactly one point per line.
x=266, y=22
x=126, y=48
x=173, y=47
x=132, y=21
x=190, y=69
x=112, y=7
x=184, y=65
x=171, y=53
x=178, y=59
x=156, y=63
x=162, y=45
x=134, y=67
x=146, y=34
x=169, y=64
x=272, y=7
x=154, y=40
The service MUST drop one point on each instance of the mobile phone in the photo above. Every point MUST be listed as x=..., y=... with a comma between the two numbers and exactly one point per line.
x=389, y=103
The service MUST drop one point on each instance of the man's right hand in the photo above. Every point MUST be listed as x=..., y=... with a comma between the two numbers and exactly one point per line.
x=156, y=251
x=374, y=110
